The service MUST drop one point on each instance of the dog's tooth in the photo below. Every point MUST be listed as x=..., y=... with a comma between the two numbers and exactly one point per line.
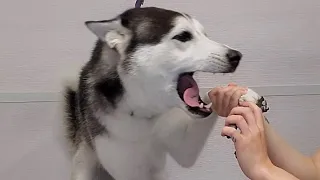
x=208, y=106
x=201, y=105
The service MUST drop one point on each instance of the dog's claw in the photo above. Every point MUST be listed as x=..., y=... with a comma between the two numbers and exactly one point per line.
x=262, y=103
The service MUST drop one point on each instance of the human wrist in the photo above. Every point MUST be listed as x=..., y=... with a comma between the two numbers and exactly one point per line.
x=274, y=173
x=265, y=172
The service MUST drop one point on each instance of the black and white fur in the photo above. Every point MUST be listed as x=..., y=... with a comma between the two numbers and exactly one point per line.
x=119, y=115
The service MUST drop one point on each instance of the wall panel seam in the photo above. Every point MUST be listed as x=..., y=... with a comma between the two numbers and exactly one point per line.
x=267, y=91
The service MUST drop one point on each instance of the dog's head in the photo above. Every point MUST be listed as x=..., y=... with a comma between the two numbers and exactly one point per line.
x=160, y=50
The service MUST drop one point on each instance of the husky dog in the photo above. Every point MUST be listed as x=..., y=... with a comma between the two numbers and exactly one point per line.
x=119, y=115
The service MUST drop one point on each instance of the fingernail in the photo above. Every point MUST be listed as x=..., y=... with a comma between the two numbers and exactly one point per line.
x=234, y=139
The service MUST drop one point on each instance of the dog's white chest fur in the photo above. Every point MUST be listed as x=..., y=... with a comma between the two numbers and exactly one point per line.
x=129, y=150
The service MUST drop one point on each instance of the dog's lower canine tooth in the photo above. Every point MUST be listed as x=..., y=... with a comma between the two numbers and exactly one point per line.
x=208, y=106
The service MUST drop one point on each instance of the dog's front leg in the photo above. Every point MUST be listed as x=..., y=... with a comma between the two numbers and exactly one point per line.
x=184, y=137
x=83, y=163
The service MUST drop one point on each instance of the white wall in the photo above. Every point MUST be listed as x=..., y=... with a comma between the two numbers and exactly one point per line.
x=43, y=40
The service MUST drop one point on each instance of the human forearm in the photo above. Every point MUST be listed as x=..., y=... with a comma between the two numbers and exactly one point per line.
x=274, y=173
x=288, y=158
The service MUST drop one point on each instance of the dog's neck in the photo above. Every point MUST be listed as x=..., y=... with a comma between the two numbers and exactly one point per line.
x=140, y=101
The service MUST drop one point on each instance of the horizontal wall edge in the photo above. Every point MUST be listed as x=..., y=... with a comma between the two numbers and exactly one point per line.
x=291, y=90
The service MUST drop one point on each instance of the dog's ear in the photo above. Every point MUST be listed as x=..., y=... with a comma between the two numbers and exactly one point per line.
x=110, y=31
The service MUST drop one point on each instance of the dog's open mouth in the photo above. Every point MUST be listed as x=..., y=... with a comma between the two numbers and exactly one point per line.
x=188, y=91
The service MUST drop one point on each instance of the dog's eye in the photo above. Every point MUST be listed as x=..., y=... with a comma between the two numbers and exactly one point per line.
x=183, y=37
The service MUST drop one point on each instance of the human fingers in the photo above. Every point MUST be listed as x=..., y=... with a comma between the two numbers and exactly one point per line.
x=217, y=97
x=235, y=96
x=239, y=121
x=246, y=113
x=214, y=91
x=225, y=96
x=257, y=112
x=232, y=84
x=213, y=96
x=221, y=96
x=231, y=132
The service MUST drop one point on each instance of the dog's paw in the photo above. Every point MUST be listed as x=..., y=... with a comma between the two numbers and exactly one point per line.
x=254, y=97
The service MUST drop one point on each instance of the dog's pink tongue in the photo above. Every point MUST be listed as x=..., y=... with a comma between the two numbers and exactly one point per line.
x=191, y=96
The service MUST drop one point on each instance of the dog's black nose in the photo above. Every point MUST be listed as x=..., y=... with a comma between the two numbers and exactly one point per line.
x=234, y=57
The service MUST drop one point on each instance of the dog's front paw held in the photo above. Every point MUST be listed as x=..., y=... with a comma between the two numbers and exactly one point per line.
x=252, y=96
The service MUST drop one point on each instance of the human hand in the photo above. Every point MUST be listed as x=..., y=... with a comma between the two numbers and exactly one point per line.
x=249, y=141
x=225, y=98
